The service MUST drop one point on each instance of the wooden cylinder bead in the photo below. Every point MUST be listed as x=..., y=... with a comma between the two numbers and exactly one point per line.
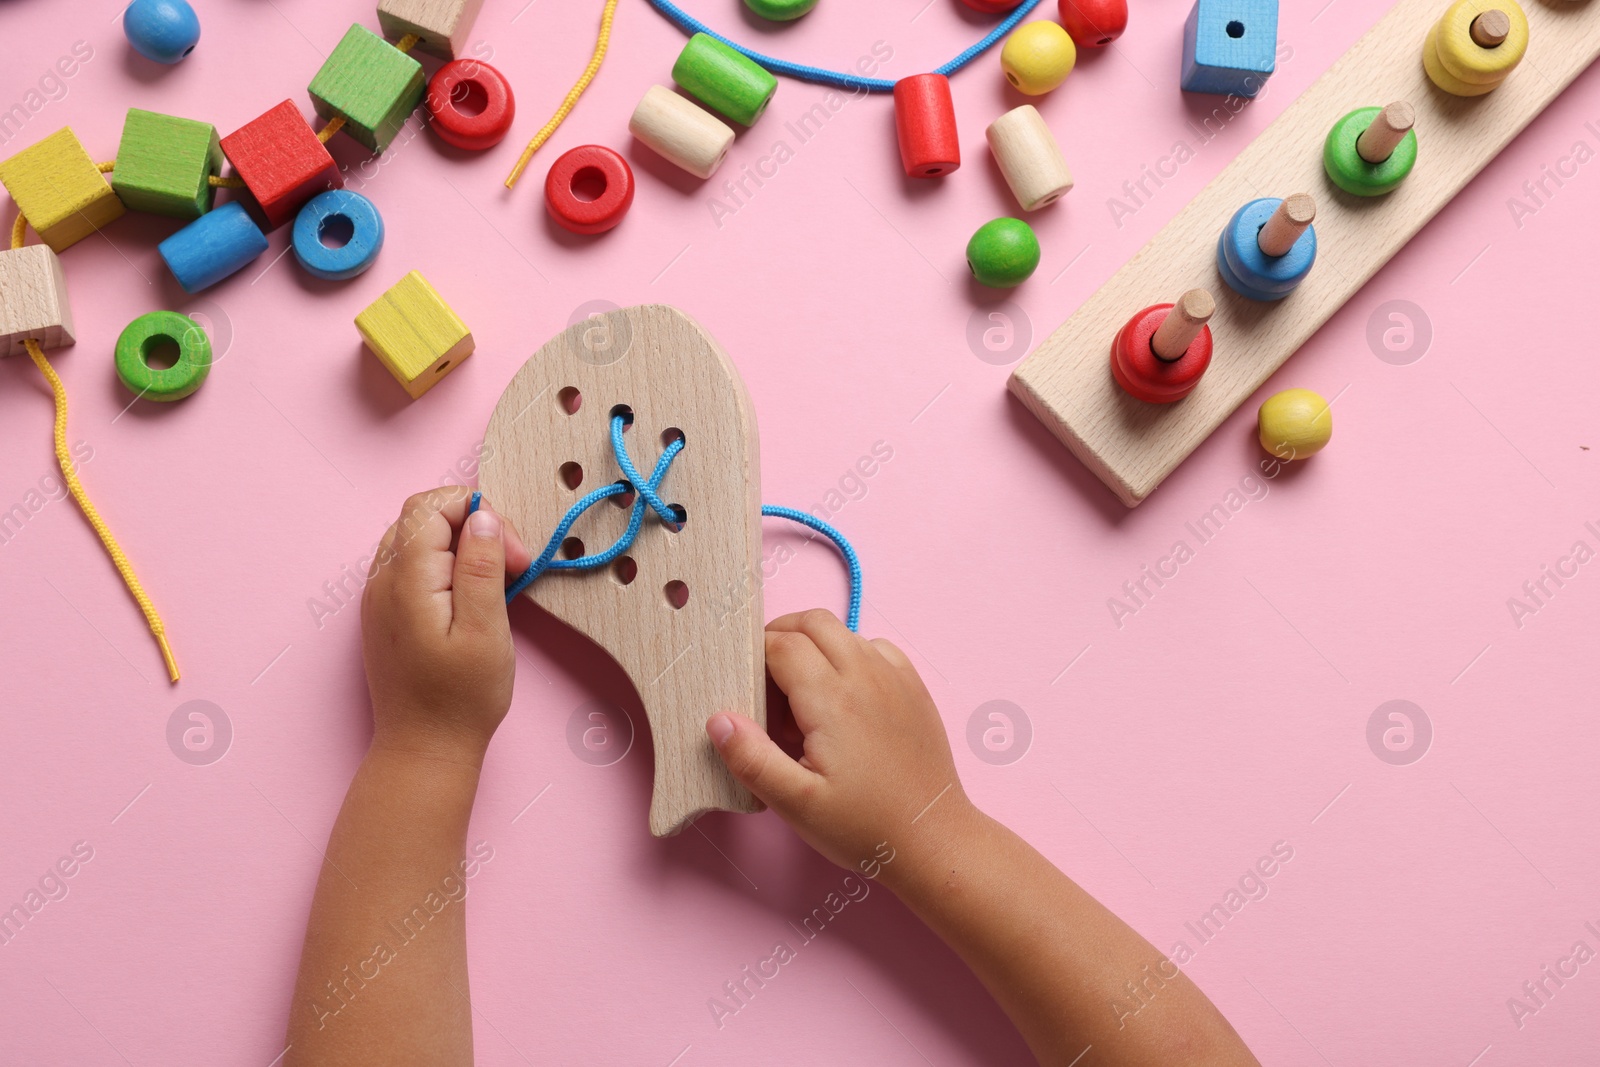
x=1029, y=158
x=724, y=79
x=1037, y=57
x=605, y=173
x=470, y=81
x=1350, y=171
x=1242, y=257
x=1458, y=55
x=781, y=10
x=1490, y=29
x=683, y=134
x=1093, y=23
x=1292, y=217
x=212, y=247
x=1294, y=424
x=1135, y=363
x=138, y=343
x=1387, y=129
x=925, y=122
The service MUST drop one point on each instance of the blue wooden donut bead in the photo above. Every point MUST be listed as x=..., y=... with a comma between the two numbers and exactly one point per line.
x=356, y=254
x=1251, y=272
x=163, y=30
x=212, y=247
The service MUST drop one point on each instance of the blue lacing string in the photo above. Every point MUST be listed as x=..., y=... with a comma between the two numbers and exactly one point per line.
x=647, y=495
x=689, y=24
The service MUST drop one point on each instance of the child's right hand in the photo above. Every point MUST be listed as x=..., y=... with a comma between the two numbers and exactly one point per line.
x=876, y=753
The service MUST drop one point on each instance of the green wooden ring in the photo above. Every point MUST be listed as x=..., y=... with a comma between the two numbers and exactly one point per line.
x=781, y=10
x=1355, y=175
x=163, y=383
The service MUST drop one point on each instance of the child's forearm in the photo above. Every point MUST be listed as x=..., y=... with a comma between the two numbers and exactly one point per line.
x=383, y=976
x=1057, y=961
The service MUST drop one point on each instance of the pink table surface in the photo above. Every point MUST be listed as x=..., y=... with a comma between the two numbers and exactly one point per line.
x=1164, y=751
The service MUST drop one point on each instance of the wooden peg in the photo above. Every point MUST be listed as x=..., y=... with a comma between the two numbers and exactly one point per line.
x=1183, y=324
x=1388, y=129
x=1286, y=225
x=1490, y=29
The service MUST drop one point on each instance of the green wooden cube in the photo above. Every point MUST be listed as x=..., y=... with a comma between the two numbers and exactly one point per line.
x=370, y=84
x=164, y=164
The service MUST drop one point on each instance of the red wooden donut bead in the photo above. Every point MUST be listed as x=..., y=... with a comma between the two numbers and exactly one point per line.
x=925, y=121
x=1139, y=371
x=594, y=165
x=452, y=85
x=991, y=7
x=1094, y=23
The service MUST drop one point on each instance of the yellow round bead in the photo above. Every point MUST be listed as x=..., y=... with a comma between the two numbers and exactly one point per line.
x=1038, y=57
x=1295, y=423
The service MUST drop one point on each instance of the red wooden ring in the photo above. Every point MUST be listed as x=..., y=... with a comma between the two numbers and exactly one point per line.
x=604, y=211
x=1144, y=375
x=451, y=83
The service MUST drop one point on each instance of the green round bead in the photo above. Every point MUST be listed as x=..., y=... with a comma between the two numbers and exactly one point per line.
x=780, y=10
x=1355, y=175
x=163, y=383
x=1003, y=253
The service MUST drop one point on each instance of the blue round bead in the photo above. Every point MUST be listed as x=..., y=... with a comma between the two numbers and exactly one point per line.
x=162, y=30
x=1251, y=272
x=338, y=209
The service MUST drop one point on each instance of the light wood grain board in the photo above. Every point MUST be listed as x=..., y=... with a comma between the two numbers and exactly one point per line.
x=686, y=663
x=1131, y=445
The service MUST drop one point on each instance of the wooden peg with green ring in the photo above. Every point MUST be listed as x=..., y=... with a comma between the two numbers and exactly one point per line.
x=1371, y=150
x=142, y=340
x=781, y=10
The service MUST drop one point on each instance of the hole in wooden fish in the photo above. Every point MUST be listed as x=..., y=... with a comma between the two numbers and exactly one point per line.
x=571, y=474
x=677, y=593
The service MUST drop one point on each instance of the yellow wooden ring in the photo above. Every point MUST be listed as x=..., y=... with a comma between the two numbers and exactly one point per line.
x=1471, y=62
x=1442, y=77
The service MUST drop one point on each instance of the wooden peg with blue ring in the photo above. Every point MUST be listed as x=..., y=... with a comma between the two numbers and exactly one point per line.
x=331, y=212
x=1371, y=150
x=1269, y=246
x=212, y=247
x=139, y=342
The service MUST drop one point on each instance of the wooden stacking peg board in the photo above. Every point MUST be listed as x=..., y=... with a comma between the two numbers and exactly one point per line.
x=549, y=444
x=1131, y=445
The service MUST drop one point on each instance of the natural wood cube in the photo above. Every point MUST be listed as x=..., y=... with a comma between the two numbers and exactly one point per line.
x=165, y=164
x=58, y=187
x=370, y=84
x=416, y=335
x=33, y=300
x=441, y=26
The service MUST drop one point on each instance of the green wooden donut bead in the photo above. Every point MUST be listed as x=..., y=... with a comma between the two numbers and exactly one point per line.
x=780, y=10
x=163, y=383
x=1355, y=175
x=1003, y=253
x=723, y=79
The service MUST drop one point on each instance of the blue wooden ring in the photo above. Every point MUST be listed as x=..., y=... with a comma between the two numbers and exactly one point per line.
x=1251, y=272
x=356, y=254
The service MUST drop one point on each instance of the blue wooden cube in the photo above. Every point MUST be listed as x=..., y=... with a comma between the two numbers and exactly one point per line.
x=1230, y=47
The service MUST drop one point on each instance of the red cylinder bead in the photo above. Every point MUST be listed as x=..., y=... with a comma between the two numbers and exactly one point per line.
x=1094, y=23
x=457, y=83
x=1145, y=375
x=991, y=7
x=594, y=169
x=925, y=120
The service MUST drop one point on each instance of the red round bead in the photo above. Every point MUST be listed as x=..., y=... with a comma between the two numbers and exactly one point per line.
x=1094, y=23
x=459, y=82
x=925, y=122
x=597, y=169
x=991, y=7
x=1143, y=374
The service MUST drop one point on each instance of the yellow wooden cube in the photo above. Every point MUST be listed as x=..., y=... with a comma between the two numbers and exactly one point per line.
x=60, y=190
x=414, y=332
x=33, y=300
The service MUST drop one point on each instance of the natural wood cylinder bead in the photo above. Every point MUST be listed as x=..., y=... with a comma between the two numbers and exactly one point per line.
x=1287, y=223
x=1183, y=324
x=1388, y=129
x=683, y=134
x=1029, y=157
x=925, y=122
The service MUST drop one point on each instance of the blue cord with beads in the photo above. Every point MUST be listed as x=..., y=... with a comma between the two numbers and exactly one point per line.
x=648, y=495
x=689, y=24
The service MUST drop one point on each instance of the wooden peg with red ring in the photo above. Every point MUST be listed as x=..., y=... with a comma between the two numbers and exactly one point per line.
x=456, y=89
x=595, y=169
x=925, y=122
x=1162, y=352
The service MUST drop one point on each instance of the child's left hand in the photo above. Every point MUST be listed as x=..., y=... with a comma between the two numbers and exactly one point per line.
x=434, y=629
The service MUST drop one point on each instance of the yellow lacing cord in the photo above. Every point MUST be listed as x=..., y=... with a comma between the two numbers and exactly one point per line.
x=70, y=476
x=600, y=46
x=232, y=181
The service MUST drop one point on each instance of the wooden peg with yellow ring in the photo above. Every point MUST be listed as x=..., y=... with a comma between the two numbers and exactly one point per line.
x=139, y=342
x=1475, y=46
x=1371, y=150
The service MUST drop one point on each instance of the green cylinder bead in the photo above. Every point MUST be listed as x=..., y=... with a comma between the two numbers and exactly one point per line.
x=723, y=79
x=780, y=10
x=139, y=341
x=1350, y=172
x=1003, y=253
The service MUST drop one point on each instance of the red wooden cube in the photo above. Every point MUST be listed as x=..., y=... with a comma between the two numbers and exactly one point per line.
x=282, y=162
